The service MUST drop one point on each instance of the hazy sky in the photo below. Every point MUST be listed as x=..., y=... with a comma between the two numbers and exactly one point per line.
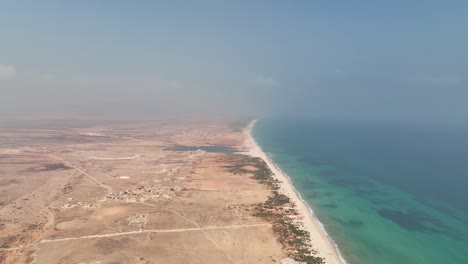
x=324, y=59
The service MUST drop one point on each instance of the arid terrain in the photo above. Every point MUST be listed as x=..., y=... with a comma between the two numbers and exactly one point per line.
x=130, y=193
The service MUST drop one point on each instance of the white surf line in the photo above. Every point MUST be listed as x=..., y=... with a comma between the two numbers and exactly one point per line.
x=109, y=189
x=288, y=188
x=152, y=231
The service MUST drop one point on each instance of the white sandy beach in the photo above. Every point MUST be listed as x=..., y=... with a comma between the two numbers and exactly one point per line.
x=320, y=241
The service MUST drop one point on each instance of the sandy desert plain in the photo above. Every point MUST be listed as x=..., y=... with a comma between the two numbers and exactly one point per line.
x=137, y=192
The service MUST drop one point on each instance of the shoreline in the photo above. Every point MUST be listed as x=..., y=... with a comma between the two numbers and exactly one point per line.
x=320, y=240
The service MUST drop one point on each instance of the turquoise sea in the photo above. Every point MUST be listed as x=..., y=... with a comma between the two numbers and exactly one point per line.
x=386, y=193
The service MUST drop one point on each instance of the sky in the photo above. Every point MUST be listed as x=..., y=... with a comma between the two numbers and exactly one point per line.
x=347, y=60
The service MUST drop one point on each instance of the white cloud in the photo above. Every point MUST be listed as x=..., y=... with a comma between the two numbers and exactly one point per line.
x=438, y=80
x=264, y=81
x=7, y=72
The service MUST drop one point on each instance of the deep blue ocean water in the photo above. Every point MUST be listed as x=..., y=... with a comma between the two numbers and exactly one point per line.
x=386, y=193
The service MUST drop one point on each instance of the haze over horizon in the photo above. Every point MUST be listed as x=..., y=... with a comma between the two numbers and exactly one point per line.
x=356, y=60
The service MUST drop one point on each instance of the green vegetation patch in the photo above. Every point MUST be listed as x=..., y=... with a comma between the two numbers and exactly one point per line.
x=277, y=209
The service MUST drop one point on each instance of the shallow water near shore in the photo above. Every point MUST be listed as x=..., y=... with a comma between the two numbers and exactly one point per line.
x=385, y=193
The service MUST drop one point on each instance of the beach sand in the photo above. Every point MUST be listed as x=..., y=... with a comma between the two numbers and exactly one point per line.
x=319, y=239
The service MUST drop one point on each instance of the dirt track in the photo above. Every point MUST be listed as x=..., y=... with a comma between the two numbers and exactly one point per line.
x=154, y=231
